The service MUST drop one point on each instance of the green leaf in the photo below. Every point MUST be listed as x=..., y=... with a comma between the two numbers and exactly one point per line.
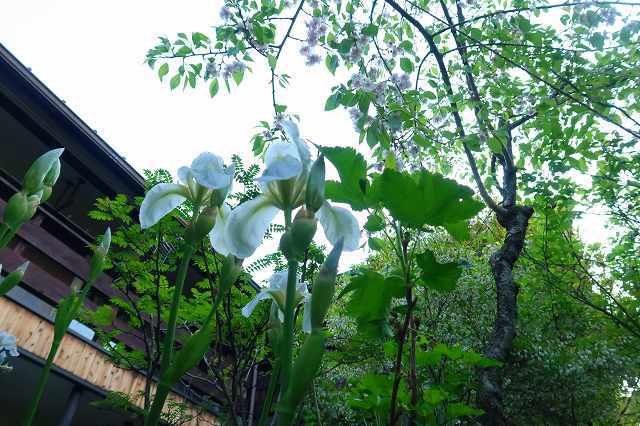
x=352, y=169
x=458, y=409
x=272, y=61
x=434, y=396
x=425, y=198
x=163, y=70
x=214, y=86
x=372, y=135
x=175, y=81
x=191, y=353
x=331, y=61
x=438, y=276
x=238, y=76
x=376, y=244
x=458, y=230
x=331, y=103
x=374, y=223
x=370, y=30
x=370, y=301
x=406, y=65
x=597, y=40
x=184, y=51
x=495, y=145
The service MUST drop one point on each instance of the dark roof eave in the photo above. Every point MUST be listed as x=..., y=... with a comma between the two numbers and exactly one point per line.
x=41, y=90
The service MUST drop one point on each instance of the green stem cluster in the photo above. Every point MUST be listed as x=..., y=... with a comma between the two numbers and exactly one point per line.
x=153, y=417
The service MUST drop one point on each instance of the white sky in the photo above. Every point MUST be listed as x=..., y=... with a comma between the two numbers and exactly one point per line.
x=90, y=53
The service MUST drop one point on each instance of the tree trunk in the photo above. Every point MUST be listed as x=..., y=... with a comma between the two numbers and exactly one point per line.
x=490, y=393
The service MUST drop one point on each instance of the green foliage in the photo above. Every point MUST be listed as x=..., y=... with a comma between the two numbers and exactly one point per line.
x=438, y=276
x=370, y=302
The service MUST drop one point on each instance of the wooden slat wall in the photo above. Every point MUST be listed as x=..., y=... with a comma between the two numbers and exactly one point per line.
x=35, y=334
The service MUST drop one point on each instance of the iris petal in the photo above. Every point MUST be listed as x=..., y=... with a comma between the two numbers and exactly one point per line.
x=249, y=307
x=339, y=222
x=247, y=225
x=209, y=171
x=217, y=236
x=282, y=161
x=293, y=134
x=160, y=201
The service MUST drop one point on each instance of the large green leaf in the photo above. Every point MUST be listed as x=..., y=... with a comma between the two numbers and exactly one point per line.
x=352, y=169
x=438, y=276
x=424, y=198
x=370, y=301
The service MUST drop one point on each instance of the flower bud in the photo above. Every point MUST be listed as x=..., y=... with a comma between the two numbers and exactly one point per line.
x=203, y=225
x=218, y=196
x=314, y=196
x=325, y=286
x=11, y=280
x=303, y=229
x=46, y=193
x=304, y=371
x=47, y=163
x=17, y=210
x=231, y=268
x=286, y=246
x=34, y=201
x=53, y=174
x=99, y=256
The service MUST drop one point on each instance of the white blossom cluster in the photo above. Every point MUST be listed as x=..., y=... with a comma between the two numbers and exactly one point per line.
x=316, y=28
x=211, y=70
x=8, y=347
x=225, y=13
x=402, y=81
x=232, y=68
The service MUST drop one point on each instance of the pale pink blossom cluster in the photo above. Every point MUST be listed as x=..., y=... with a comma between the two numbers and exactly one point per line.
x=316, y=29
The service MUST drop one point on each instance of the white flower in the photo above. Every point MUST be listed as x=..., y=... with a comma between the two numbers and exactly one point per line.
x=206, y=182
x=277, y=291
x=8, y=346
x=283, y=183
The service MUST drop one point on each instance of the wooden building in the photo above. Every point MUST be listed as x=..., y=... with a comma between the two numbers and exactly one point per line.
x=32, y=121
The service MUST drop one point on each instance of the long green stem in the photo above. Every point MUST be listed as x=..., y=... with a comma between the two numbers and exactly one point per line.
x=162, y=392
x=7, y=237
x=42, y=382
x=286, y=353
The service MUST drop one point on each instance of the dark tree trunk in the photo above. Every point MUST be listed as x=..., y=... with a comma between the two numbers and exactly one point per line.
x=490, y=393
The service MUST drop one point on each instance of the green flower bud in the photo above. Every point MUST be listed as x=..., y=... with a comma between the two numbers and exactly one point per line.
x=203, y=225
x=218, y=196
x=303, y=229
x=34, y=201
x=325, y=286
x=296, y=240
x=46, y=193
x=17, y=210
x=11, y=280
x=304, y=371
x=99, y=256
x=231, y=268
x=314, y=196
x=47, y=166
x=286, y=246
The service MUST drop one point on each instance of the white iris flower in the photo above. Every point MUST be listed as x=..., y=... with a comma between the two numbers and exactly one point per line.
x=277, y=291
x=8, y=346
x=283, y=185
x=206, y=182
